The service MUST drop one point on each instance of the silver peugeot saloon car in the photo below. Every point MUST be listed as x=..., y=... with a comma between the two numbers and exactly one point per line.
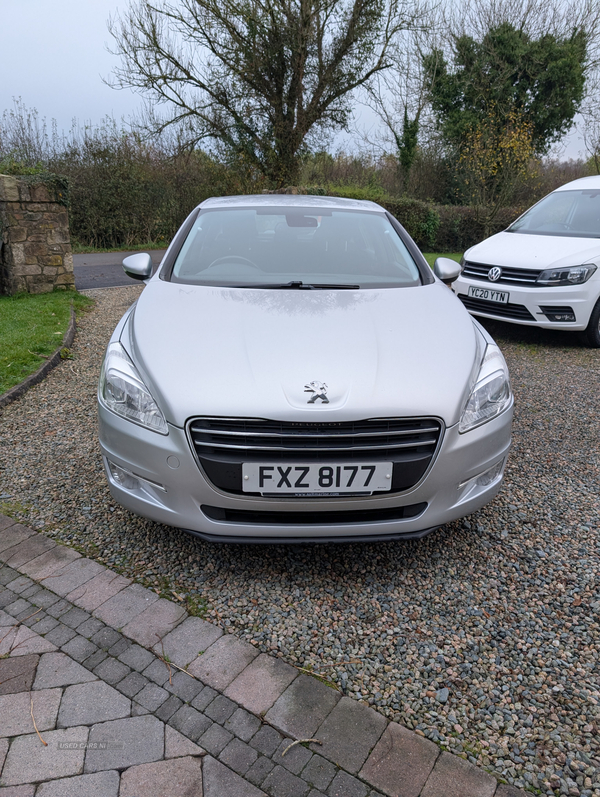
x=295, y=372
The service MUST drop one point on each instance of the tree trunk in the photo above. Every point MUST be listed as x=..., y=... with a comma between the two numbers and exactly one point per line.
x=285, y=170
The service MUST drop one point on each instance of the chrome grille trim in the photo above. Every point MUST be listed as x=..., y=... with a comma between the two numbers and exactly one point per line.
x=291, y=433
x=510, y=276
x=255, y=434
x=321, y=448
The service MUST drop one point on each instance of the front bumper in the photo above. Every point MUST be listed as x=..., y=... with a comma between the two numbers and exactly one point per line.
x=532, y=306
x=167, y=485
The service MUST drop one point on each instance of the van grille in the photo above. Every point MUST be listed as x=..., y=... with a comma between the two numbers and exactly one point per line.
x=517, y=311
x=510, y=276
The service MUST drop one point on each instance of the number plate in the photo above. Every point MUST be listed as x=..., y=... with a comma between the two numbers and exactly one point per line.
x=316, y=478
x=489, y=294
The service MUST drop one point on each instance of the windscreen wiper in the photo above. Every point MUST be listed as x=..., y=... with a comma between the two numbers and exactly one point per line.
x=298, y=285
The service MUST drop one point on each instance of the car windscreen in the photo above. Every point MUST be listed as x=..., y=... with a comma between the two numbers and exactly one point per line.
x=294, y=247
x=570, y=214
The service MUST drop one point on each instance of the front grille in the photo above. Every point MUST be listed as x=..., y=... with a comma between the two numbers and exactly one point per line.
x=313, y=518
x=223, y=444
x=510, y=276
x=518, y=311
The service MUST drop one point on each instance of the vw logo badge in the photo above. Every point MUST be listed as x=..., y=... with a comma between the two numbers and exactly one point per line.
x=494, y=274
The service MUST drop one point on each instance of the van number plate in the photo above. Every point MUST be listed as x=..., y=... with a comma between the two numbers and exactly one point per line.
x=489, y=294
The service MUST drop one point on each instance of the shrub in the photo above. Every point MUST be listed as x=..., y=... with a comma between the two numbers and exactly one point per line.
x=462, y=227
x=420, y=219
x=126, y=191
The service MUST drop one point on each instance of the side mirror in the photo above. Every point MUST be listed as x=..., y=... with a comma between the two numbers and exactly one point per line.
x=138, y=266
x=446, y=269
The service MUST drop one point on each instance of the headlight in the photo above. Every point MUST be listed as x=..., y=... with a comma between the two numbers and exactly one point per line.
x=566, y=276
x=123, y=391
x=491, y=394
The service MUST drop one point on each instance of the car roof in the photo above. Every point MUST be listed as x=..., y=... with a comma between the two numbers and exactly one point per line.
x=582, y=182
x=291, y=201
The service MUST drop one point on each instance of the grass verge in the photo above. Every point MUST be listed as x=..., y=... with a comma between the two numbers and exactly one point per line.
x=32, y=327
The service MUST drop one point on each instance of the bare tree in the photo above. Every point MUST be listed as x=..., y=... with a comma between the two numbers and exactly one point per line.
x=399, y=95
x=259, y=77
x=535, y=17
x=590, y=119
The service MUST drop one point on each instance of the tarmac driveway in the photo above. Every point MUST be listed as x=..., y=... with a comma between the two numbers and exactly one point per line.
x=105, y=270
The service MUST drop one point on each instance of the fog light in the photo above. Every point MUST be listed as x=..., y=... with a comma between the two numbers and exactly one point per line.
x=558, y=313
x=122, y=477
x=490, y=475
x=486, y=478
x=561, y=316
x=131, y=481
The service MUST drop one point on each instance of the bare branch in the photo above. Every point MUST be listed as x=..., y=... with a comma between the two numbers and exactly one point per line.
x=259, y=76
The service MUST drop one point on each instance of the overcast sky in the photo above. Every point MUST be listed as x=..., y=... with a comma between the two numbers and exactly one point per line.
x=53, y=55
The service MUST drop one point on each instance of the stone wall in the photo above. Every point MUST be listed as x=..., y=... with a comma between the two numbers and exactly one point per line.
x=35, y=247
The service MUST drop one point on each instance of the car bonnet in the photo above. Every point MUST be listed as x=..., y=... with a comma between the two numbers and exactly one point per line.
x=251, y=353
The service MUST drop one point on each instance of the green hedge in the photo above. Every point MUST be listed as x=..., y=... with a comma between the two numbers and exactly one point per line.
x=122, y=197
x=434, y=228
x=419, y=219
x=460, y=228
x=118, y=200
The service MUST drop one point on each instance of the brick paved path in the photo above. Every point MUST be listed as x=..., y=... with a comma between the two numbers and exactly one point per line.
x=84, y=652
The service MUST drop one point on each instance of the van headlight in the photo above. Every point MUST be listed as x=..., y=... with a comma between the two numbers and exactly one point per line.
x=566, y=276
x=123, y=391
x=491, y=394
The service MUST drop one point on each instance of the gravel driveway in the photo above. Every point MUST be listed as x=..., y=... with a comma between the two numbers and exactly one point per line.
x=483, y=637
